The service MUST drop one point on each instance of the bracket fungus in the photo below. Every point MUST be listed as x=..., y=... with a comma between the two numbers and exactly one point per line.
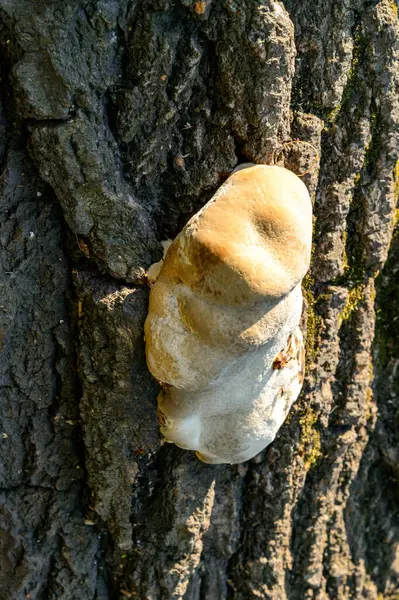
x=222, y=331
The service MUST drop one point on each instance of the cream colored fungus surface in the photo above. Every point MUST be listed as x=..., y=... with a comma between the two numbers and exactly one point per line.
x=222, y=330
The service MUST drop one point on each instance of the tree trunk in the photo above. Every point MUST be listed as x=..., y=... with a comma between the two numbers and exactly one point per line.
x=119, y=119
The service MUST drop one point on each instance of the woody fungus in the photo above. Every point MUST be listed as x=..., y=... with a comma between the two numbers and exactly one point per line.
x=222, y=331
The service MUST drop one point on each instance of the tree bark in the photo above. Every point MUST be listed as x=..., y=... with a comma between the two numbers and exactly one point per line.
x=119, y=119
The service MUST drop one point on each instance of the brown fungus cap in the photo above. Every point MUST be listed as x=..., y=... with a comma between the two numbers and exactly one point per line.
x=251, y=243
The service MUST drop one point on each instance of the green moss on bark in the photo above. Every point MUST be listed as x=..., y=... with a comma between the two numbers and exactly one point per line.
x=310, y=443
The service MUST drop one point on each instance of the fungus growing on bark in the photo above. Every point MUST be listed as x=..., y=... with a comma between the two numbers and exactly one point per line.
x=222, y=327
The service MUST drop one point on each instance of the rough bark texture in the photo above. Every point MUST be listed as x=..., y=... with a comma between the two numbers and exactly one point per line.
x=118, y=120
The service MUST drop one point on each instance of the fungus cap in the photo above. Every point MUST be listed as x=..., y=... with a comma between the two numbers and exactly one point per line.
x=250, y=242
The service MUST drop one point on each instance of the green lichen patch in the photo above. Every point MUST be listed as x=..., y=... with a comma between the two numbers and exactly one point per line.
x=313, y=321
x=394, y=8
x=355, y=297
x=310, y=442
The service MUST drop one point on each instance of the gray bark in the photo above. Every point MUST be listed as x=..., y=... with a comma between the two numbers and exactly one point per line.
x=119, y=119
